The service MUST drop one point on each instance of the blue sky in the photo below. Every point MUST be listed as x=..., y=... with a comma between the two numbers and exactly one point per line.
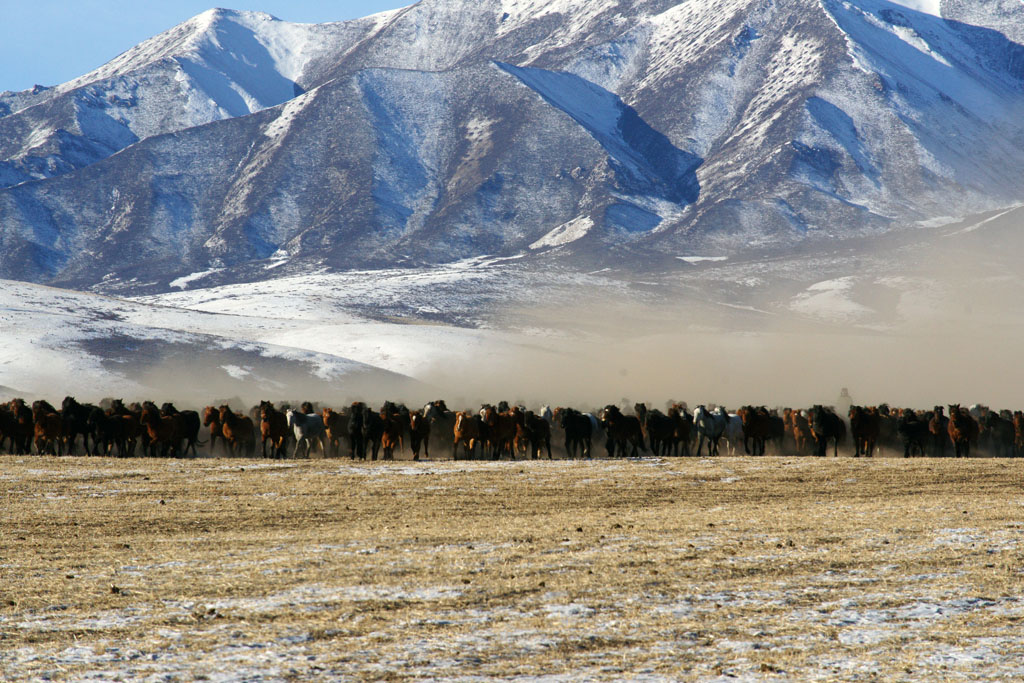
x=52, y=41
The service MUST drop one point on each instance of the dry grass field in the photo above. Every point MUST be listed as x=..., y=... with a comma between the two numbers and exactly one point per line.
x=677, y=569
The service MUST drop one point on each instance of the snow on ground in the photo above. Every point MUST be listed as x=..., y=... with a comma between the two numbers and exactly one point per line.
x=830, y=300
x=59, y=341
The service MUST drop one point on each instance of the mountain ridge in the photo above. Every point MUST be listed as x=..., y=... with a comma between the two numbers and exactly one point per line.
x=425, y=136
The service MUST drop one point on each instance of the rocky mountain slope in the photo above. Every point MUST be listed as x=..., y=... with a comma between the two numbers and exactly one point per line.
x=236, y=147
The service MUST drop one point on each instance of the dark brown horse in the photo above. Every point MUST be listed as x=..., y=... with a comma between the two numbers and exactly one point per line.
x=21, y=427
x=273, y=429
x=336, y=428
x=501, y=431
x=683, y=422
x=938, y=427
x=623, y=431
x=659, y=429
x=865, y=428
x=419, y=434
x=757, y=427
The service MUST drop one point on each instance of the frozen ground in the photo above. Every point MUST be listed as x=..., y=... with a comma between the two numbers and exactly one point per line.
x=658, y=569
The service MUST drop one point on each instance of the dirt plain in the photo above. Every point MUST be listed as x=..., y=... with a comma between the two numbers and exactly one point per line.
x=650, y=569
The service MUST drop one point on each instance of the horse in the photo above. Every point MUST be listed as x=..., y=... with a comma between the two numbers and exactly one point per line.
x=1018, y=432
x=757, y=427
x=48, y=431
x=865, y=427
x=683, y=426
x=335, y=425
x=913, y=431
x=373, y=431
x=187, y=422
x=307, y=427
x=532, y=432
x=238, y=431
x=419, y=434
x=75, y=417
x=21, y=427
x=659, y=429
x=938, y=427
x=442, y=423
x=211, y=419
x=963, y=430
x=623, y=431
x=129, y=428
x=273, y=428
x=161, y=431
x=501, y=431
x=1001, y=435
x=357, y=430
x=392, y=430
x=710, y=426
x=578, y=431
x=800, y=429
x=468, y=431
x=826, y=426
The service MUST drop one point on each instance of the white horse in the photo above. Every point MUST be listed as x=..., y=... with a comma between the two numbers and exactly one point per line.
x=733, y=431
x=306, y=429
x=710, y=426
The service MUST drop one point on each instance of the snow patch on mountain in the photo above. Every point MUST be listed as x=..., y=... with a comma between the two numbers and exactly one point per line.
x=565, y=233
x=646, y=163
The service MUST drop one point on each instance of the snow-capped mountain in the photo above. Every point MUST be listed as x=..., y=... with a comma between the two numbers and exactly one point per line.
x=238, y=147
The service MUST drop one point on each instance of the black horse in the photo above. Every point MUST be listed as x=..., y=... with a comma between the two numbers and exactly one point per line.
x=75, y=421
x=357, y=430
x=826, y=426
x=579, y=431
x=913, y=431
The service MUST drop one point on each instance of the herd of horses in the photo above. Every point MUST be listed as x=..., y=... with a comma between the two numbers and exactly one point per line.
x=500, y=431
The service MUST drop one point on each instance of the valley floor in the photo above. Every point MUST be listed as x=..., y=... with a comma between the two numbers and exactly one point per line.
x=689, y=569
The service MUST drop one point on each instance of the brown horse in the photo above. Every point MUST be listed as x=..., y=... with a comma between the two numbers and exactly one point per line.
x=391, y=434
x=501, y=431
x=1018, y=433
x=419, y=434
x=238, y=431
x=273, y=428
x=48, y=431
x=161, y=431
x=22, y=426
x=963, y=430
x=469, y=431
x=800, y=429
x=335, y=427
x=211, y=419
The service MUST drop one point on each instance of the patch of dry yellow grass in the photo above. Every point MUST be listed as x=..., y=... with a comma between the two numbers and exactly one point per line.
x=674, y=569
